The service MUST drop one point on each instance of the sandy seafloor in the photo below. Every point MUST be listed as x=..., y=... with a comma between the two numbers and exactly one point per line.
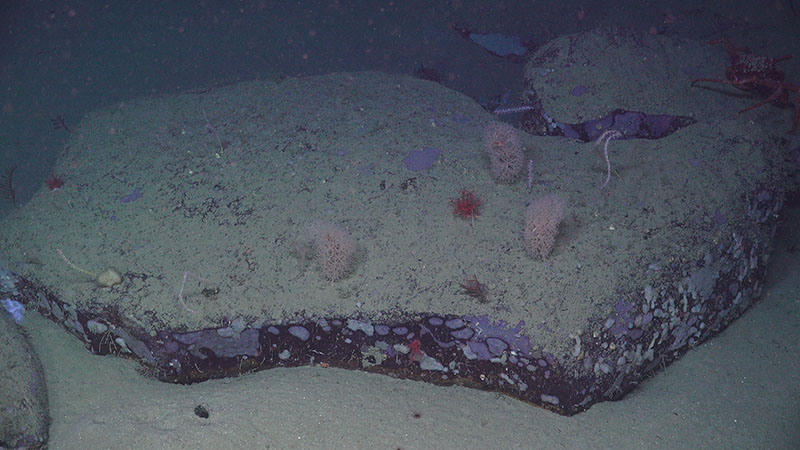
x=739, y=390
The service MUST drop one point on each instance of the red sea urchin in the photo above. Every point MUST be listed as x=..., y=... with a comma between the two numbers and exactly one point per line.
x=54, y=182
x=466, y=206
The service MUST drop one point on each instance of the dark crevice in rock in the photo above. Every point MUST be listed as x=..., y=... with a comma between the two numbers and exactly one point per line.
x=632, y=125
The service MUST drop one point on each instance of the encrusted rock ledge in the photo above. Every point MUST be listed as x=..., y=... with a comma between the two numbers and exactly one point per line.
x=692, y=301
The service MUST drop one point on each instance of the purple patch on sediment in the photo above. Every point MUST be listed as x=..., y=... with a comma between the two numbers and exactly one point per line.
x=136, y=194
x=418, y=160
x=366, y=169
x=719, y=219
x=579, y=90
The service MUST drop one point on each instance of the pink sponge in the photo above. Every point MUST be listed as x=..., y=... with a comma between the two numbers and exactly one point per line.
x=506, y=158
x=333, y=250
x=542, y=219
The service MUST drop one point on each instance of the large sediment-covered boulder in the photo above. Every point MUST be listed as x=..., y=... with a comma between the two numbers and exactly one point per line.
x=580, y=85
x=353, y=220
x=24, y=414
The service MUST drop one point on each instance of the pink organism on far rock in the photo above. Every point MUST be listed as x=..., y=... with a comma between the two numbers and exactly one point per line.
x=54, y=182
x=542, y=219
x=506, y=158
x=333, y=250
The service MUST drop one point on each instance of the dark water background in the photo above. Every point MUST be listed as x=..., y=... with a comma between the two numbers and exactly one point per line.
x=69, y=57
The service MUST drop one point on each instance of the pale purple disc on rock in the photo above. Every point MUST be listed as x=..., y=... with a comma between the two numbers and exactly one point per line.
x=418, y=160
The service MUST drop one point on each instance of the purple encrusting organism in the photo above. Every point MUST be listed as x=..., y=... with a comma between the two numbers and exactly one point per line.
x=136, y=194
x=493, y=337
x=623, y=320
x=418, y=160
x=579, y=90
x=366, y=169
x=460, y=118
x=719, y=219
